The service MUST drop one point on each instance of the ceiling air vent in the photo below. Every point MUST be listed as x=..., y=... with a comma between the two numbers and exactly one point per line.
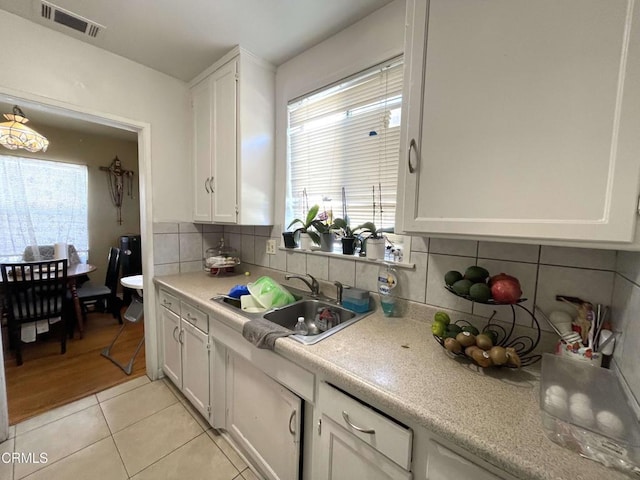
x=54, y=13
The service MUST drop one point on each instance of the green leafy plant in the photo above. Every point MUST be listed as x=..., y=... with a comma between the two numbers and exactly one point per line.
x=342, y=225
x=309, y=221
x=370, y=228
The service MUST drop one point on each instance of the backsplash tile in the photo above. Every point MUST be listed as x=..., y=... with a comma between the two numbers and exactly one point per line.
x=515, y=252
x=296, y=263
x=247, y=252
x=595, y=286
x=599, y=276
x=578, y=257
x=628, y=265
x=343, y=271
x=166, y=248
x=260, y=255
x=190, y=247
x=447, y=246
x=318, y=266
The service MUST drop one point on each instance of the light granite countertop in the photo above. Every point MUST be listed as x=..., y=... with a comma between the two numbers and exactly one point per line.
x=397, y=366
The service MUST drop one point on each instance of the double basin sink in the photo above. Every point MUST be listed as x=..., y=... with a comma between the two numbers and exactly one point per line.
x=305, y=306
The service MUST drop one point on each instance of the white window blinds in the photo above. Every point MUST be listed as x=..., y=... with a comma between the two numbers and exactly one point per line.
x=343, y=142
x=42, y=202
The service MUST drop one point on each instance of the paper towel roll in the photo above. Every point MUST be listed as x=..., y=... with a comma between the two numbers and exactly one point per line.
x=60, y=251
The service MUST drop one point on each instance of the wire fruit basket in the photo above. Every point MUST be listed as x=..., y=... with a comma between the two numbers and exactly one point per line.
x=503, y=333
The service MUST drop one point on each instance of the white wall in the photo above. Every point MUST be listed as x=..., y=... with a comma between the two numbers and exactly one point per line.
x=40, y=62
x=370, y=41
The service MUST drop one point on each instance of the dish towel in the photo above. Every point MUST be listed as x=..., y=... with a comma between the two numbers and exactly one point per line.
x=28, y=331
x=263, y=333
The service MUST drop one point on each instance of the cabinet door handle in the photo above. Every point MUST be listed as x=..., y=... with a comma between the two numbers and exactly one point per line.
x=206, y=185
x=174, y=334
x=291, y=430
x=180, y=337
x=211, y=184
x=345, y=415
x=412, y=146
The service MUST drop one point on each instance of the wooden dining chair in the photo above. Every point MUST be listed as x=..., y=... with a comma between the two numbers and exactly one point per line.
x=108, y=292
x=35, y=292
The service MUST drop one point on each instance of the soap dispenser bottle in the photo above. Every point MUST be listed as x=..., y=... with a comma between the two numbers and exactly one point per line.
x=387, y=282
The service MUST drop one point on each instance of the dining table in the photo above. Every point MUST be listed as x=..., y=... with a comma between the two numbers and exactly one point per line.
x=74, y=272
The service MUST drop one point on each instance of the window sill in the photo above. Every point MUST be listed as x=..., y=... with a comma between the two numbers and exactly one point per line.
x=357, y=258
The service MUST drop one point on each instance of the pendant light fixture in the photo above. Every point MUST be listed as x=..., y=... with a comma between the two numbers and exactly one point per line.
x=15, y=134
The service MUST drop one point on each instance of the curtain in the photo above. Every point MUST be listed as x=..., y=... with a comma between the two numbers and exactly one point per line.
x=42, y=203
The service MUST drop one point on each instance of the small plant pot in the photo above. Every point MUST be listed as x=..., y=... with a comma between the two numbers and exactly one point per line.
x=305, y=241
x=289, y=239
x=348, y=245
x=375, y=248
x=326, y=242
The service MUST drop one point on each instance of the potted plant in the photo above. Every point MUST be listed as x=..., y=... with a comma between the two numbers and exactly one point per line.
x=348, y=236
x=306, y=234
x=325, y=232
x=374, y=243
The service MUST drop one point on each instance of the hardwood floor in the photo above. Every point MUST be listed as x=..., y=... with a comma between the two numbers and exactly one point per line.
x=47, y=380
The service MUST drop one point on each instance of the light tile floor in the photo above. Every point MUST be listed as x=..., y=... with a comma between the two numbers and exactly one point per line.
x=139, y=430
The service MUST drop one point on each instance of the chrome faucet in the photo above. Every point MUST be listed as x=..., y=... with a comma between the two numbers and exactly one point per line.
x=314, y=286
x=339, y=288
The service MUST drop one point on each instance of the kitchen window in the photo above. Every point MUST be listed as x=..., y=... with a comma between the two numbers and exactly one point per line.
x=42, y=202
x=343, y=148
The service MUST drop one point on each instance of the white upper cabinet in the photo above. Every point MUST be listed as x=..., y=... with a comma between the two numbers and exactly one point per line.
x=521, y=120
x=233, y=141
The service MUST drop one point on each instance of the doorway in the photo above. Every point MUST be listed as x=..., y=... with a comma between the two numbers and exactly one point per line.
x=142, y=130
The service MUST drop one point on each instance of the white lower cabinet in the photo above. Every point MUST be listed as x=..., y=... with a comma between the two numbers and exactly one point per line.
x=186, y=349
x=356, y=441
x=264, y=418
x=445, y=464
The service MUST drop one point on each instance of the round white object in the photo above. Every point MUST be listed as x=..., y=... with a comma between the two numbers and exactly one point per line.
x=609, y=423
x=556, y=391
x=555, y=405
x=582, y=414
x=580, y=398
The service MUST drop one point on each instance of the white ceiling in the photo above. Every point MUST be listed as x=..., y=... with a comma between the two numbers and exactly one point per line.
x=183, y=37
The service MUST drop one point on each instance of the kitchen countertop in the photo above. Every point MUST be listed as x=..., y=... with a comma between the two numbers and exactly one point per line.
x=493, y=413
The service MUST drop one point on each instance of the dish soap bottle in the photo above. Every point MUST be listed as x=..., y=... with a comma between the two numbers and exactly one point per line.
x=387, y=281
x=301, y=327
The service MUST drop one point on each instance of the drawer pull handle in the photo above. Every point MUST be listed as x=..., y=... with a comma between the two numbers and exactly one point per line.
x=345, y=415
x=166, y=304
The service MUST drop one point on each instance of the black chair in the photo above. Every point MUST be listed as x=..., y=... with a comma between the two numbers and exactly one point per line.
x=34, y=292
x=90, y=293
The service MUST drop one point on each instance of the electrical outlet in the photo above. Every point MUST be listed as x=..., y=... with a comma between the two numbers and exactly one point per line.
x=271, y=247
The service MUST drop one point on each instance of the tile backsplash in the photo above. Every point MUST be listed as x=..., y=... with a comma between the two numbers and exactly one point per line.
x=599, y=276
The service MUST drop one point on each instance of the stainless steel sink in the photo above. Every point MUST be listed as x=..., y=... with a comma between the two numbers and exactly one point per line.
x=309, y=309
x=306, y=307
